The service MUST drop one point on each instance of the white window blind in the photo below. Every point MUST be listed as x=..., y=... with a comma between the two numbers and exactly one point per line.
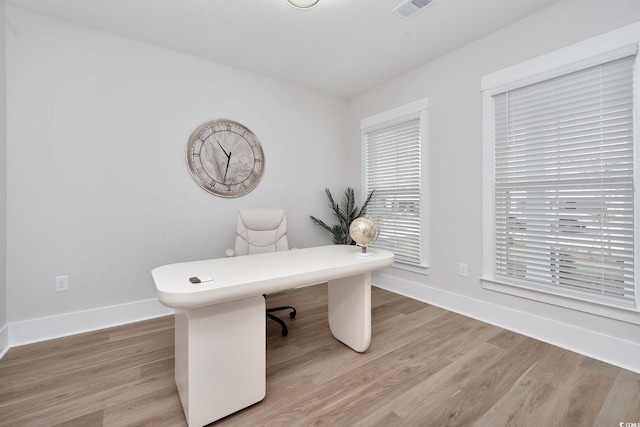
x=564, y=184
x=393, y=170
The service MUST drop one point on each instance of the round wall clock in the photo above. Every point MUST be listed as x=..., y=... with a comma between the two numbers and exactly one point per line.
x=225, y=158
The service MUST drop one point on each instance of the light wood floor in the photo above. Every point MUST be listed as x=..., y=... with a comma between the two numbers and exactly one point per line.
x=425, y=367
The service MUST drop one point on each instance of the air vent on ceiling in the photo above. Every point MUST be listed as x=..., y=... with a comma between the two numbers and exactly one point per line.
x=410, y=7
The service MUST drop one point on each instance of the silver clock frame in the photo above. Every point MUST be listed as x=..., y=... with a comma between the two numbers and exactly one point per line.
x=205, y=179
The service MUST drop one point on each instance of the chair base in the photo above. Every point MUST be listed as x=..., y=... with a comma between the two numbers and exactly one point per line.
x=285, y=330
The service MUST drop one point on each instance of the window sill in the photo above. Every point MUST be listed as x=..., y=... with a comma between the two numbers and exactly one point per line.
x=626, y=315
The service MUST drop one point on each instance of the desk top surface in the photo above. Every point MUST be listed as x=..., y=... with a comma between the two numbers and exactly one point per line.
x=245, y=276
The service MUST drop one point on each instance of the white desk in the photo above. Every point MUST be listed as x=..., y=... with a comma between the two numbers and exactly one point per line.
x=220, y=360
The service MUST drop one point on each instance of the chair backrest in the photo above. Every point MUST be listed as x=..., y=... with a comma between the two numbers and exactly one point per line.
x=260, y=230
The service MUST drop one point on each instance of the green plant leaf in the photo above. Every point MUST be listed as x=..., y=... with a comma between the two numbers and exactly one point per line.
x=345, y=212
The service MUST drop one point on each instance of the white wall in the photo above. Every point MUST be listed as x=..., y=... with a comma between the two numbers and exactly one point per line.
x=452, y=84
x=98, y=187
x=4, y=332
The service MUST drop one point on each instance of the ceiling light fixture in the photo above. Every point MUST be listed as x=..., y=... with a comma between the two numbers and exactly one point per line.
x=303, y=4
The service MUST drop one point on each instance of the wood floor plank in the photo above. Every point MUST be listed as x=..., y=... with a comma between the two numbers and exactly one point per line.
x=143, y=410
x=556, y=367
x=415, y=405
x=520, y=406
x=93, y=419
x=484, y=389
x=49, y=378
x=580, y=401
x=370, y=385
x=425, y=367
x=622, y=403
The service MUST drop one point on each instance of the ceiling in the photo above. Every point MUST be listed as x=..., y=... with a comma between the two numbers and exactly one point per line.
x=341, y=47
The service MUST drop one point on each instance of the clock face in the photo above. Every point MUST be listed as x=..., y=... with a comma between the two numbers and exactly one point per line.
x=225, y=158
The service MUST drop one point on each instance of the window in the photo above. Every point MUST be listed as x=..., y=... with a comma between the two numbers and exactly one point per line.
x=562, y=157
x=393, y=158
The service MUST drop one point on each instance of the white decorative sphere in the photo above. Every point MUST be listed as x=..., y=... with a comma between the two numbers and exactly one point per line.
x=364, y=231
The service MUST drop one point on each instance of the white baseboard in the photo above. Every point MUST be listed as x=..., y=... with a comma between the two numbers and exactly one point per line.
x=593, y=344
x=46, y=328
x=4, y=340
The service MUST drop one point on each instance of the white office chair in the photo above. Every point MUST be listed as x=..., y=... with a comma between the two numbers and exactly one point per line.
x=261, y=230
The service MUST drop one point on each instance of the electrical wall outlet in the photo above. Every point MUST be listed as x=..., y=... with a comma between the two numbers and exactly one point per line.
x=462, y=269
x=62, y=283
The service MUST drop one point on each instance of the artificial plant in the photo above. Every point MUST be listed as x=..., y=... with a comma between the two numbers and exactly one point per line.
x=346, y=211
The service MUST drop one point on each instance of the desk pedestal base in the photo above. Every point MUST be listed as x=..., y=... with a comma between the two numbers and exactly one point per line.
x=350, y=310
x=221, y=349
x=220, y=358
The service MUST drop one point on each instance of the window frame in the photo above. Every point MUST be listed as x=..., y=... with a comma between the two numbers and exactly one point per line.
x=597, y=50
x=406, y=112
